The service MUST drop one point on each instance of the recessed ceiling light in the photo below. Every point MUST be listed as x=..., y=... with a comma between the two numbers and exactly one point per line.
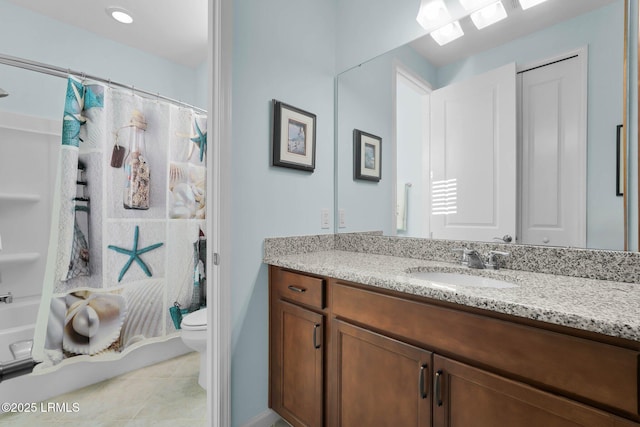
x=448, y=33
x=526, y=4
x=489, y=15
x=119, y=14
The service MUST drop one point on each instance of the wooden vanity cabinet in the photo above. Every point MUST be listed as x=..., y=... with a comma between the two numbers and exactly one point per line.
x=380, y=381
x=297, y=348
x=389, y=359
x=466, y=396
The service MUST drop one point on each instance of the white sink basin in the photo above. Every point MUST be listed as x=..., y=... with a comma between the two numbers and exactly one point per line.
x=459, y=279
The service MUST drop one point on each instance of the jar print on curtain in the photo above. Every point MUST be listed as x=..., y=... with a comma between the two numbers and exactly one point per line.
x=138, y=176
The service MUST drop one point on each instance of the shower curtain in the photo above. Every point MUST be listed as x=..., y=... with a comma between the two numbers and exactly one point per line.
x=129, y=212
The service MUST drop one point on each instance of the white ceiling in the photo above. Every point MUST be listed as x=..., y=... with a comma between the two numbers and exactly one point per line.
x=518, y=23
x=173, y=29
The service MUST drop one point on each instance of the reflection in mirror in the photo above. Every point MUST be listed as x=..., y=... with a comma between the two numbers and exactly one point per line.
x=517, y=141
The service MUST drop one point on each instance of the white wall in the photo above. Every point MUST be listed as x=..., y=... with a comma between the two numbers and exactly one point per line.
x=282, y=49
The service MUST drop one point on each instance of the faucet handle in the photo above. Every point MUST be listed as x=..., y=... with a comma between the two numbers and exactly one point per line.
x=492, y=258
x=463, y=254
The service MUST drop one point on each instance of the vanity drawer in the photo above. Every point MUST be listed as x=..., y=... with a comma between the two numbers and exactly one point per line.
x=299, y=288
x=586, y=370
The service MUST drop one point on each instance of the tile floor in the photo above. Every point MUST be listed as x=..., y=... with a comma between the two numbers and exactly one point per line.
x=165, y=394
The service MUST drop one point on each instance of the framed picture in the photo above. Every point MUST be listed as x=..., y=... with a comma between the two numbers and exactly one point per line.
x=367, y=156
x=294, y=137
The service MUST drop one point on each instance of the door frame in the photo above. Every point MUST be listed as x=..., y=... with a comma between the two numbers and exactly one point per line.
x=421, y=85
x=218, y=214
x=583, y=56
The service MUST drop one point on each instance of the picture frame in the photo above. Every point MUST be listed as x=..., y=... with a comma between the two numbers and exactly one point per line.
x=294, y=137
x=367, y=156
x=619, y=162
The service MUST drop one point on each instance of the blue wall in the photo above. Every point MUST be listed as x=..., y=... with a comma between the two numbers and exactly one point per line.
x=32, y=36
x=282, y=49
x=368, y=28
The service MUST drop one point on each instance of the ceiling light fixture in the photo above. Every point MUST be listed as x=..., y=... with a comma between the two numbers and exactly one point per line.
x=470, y=5
x=489, y=15
x=526, y=4
x=448, y=33
x=432, y=13
x=119, y=14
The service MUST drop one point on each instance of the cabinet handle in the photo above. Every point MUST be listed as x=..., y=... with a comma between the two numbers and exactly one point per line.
x=438, y=388
x=296, y=289
x=422, y=385
x=315, y=336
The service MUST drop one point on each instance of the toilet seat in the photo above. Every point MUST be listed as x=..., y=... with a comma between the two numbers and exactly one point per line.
x=195, y=321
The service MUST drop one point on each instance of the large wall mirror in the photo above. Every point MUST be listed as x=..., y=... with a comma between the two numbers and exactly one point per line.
x=509, y=133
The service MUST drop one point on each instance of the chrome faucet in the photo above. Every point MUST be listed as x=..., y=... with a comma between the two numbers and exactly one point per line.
x=7, y=298
x=472, y=258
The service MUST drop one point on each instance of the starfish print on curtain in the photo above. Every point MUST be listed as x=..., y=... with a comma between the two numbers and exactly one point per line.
x=134, y=255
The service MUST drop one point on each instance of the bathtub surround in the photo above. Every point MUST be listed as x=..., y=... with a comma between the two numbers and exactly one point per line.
x=123, y=300
x=614, y=266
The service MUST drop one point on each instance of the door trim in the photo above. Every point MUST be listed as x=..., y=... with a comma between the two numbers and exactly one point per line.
x=399, y=69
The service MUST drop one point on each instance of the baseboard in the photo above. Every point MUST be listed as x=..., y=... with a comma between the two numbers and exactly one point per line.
x=265, y=419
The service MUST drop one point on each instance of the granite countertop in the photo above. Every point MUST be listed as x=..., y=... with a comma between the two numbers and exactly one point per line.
x=605, y=307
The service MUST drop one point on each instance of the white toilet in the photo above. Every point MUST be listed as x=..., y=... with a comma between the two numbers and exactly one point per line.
x=194, y=335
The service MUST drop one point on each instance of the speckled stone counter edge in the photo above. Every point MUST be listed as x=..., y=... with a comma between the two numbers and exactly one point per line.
x=616, y=266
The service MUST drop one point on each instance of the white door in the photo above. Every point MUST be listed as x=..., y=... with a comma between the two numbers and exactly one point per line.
x=473, y=157
x=553, y=163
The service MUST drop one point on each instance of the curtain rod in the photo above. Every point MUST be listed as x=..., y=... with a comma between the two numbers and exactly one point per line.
x=65, y=72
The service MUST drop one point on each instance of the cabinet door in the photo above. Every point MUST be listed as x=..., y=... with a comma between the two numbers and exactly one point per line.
x=380, y=381
x=297, y=364
x=466, y=396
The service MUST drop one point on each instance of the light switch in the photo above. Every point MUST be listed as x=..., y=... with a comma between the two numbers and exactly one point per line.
x=324, y=218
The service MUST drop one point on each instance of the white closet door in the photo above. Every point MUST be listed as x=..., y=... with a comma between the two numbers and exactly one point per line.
x=553, y=155
x=473, y=157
